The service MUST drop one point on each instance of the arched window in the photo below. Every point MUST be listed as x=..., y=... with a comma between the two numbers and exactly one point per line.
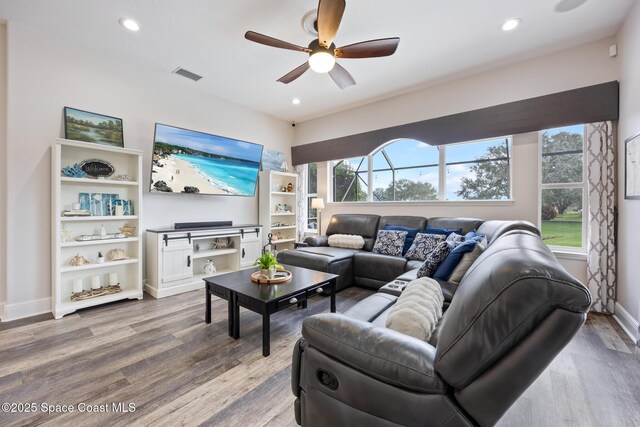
x=405, y=170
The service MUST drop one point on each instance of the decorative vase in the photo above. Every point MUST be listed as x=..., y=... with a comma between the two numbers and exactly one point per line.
x=269, y=273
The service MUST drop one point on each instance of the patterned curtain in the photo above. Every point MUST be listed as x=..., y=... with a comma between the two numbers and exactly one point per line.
x=601, y=246
x=301, y=210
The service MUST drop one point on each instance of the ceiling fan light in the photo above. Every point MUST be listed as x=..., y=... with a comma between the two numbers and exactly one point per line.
x=322, y=62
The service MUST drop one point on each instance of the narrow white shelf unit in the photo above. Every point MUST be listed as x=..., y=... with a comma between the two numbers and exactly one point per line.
x=98, y=242
x=106, y=264
x=281, y=241
x=98, y=218
x=71, y=306
x=281, y=225
x=65, y=192
x=84, y=181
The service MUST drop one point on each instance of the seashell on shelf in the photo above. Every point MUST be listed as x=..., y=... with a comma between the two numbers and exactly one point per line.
x=78, y=260
x=128, y=230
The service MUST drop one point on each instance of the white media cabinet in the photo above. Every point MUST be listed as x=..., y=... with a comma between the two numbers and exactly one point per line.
x=176, y=258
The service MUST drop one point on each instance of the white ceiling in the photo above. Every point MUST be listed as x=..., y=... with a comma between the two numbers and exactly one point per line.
x=438, y=39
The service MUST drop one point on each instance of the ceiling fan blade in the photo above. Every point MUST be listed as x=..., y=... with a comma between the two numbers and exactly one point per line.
x=270, y=41
x=369, y=49
x=341, y=76
x=329, y=16
x=294, y=74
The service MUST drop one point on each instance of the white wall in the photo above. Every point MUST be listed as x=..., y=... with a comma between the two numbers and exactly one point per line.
x=629, y=126
x=45, y=74
x=568, y=69
x=3, y=166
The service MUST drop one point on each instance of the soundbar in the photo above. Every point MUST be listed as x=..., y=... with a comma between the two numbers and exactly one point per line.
x=209, y=224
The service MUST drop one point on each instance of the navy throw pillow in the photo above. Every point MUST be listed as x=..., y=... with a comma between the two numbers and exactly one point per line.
x=442, y=231
x=411, y=234
x=445, y=269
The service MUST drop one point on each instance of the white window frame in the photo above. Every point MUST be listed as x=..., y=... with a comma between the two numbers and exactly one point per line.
x=561, y=186
x=442, y=175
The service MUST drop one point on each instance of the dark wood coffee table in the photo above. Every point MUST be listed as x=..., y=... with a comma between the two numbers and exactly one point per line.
x=238, y=289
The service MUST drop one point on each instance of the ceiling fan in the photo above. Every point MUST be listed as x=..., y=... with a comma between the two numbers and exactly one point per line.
x=323, y=52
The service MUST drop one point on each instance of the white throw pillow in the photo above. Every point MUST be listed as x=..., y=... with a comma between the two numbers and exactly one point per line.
x=347, y=241
x=418, y=309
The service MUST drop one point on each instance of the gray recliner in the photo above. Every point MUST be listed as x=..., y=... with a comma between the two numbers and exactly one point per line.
x=513, y=312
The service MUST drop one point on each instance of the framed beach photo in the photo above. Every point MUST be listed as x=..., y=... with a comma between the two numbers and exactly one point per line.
x=632, y=168
x=85, y=126
x=273, y=160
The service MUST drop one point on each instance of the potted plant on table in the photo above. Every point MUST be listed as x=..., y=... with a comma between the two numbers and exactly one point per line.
x=268, y=265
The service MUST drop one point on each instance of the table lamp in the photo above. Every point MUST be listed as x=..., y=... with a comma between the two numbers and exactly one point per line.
x=318, y=203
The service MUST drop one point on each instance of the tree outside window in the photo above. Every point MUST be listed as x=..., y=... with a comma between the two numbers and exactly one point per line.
x=562, y=186
x=479, y=170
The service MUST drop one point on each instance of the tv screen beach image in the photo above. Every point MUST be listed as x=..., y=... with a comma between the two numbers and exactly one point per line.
x=185, y=161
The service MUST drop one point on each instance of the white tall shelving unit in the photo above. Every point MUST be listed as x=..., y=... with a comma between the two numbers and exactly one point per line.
x=65, y=192
x=271, y=195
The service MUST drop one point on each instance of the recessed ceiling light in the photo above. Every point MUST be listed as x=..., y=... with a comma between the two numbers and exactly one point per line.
x=511, y=24
x=129, y=24
x=295, y=101
x=567, y=5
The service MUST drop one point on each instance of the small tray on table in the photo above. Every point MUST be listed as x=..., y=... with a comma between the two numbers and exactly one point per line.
x=255, y=277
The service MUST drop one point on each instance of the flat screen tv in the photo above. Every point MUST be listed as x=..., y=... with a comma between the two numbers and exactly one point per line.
x=186, y=161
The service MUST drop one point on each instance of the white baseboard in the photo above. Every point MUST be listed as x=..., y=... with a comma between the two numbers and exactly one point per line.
x=626, y=321
x=2, y=311
x=26, y=309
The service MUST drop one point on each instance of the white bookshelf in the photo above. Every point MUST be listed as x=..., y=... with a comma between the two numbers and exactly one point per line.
x=282, y=225
x=65, y=192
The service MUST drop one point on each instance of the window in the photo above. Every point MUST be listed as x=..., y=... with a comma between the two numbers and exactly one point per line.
x=479, y=170
x=562, y=186
x=405, y=170
x=312, y=191
x=350, y=180
x=409, y=170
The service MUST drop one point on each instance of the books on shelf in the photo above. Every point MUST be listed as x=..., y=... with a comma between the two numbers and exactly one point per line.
x=76, y=212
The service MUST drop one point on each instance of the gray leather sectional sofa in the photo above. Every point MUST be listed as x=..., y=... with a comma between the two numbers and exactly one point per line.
x=512, y=313
x=367, y=269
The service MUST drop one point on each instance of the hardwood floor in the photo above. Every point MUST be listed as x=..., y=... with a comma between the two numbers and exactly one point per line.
x=162, y=357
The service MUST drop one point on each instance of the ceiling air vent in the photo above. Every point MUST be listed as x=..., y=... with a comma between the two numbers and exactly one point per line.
x=186, y=73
